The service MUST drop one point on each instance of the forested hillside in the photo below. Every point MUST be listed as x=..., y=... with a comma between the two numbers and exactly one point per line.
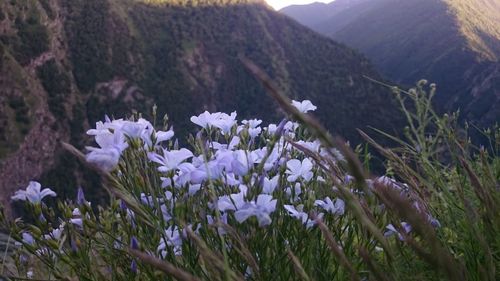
x=67, y=63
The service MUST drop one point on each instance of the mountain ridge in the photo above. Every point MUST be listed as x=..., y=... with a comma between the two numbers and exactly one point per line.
x=455, y=43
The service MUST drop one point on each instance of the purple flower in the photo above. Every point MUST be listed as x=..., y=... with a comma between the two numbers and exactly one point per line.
x=303, y=217
x=304, y=106
x=391, y=230
x=297, y=169
x=173, y=239
x=336, y=207
x=134, y=244
x=261, y=209
x=33, y=193
x=170, y=159
x=80, y=197
x=133, y=266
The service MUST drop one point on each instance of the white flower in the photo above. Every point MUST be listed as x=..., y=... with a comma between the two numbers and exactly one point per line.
x=271, y=129
x=261, y=209
x=184, y=176
x=225, y=123
x=33, y=193
x=162, y=136
x=300, y=215
x=297, y=169
x=30, y=274
x=140, y=129
x=115, y=140
x=294, y=192
x=166, y=212
x=232, y=202
x=272, y=159
x=304, y=106
x=147, y=200
x=170, y=159
x=28, y=238
x=313, y=146
x=254, y=132
x=77, y=218
x=269, y=185
x=111, y=146
x=223, y=219
x=55, y=233
x=212, y=170
x=391, y=230
x=173, y=239
x=253, y=123
x=101, y=127
x=242, y=162
x=291, y=126
x=336, y=207
x=219, y=120
x=104, y=158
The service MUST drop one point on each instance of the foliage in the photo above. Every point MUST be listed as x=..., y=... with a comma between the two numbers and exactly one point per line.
x=31, y=40
x=184, y=58
x=88, y=42
x=191, y=214
x=58, y=86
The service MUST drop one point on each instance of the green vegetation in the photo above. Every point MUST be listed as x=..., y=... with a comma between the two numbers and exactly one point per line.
x=15, y=122
x=185, y=58
x=433, y=216
x=21, y=113
x=31, y=40
x=88, y=38
x=58, y=87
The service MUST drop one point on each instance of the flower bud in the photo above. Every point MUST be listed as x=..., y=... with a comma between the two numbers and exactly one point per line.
x=35, y=231
x=80, y=197
x=133, y=266
x=123, y=205
x=281, y=127
x=53, y=244
x=134, y=244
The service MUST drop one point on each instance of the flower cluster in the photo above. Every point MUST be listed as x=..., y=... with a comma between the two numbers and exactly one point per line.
x=248, y=168
x=111, y=136
x=236, y=178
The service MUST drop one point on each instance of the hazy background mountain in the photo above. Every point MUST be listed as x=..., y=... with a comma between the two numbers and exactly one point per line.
x=318, y=15
x=314, y=14
x=64, y=64
x=455, y=43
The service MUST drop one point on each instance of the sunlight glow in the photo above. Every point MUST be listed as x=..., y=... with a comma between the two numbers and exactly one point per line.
x=278, y=4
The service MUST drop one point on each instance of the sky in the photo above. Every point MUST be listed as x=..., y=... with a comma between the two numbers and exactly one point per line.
x=278, y=4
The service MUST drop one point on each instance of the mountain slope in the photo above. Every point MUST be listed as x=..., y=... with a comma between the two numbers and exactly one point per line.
x=314, y=14
x=95, y=57
x=455, y=43
x=317, y=15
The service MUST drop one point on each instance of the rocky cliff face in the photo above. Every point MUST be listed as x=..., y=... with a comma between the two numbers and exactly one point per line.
x=64, y=64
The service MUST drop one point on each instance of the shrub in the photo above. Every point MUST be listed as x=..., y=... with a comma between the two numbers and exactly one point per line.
x=58, y=86
x=31, y=41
